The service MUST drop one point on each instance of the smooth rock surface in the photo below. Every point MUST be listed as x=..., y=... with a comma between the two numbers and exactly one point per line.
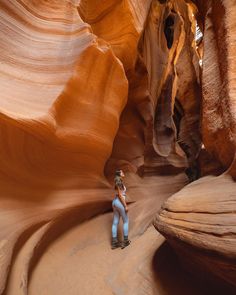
x=200, y=221
x=91, y=86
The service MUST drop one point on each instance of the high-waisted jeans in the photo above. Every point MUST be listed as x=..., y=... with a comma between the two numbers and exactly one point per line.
x=119, y=210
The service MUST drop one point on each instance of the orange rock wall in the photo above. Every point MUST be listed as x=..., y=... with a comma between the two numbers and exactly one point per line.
x=59, y=115
x=199, y=221
x=56, y=92
x=89, y=86
x=218, y=79
x=160, y=77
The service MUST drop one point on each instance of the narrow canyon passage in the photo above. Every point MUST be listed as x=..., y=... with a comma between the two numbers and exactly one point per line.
x=89, y=87
x=81, y=261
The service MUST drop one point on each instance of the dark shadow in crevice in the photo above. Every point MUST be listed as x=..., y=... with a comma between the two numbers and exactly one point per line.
x=193, y=170
x=173, y=279
x=169, y=30
x=178, y=115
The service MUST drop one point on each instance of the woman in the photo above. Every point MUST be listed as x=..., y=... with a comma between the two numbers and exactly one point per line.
x=120, y=208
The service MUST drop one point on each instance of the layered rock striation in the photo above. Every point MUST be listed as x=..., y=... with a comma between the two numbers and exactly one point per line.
x=59, y=116
x=91, y=86
x=200, y=220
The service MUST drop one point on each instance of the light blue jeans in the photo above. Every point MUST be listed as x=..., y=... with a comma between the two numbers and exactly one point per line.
x=119, y=210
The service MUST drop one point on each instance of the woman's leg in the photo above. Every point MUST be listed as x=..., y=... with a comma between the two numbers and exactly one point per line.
x=120, y=208
x=116, y=219
x=125, y=219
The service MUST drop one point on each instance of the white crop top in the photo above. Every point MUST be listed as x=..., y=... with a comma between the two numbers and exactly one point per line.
x=123, y=192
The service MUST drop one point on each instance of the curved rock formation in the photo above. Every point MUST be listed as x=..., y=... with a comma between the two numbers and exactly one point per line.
x=218, y=79
x=164, y=96
x=59, y=117
x=89, y=86
x=199, y=222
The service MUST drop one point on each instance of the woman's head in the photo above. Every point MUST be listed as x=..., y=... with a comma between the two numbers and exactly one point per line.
x=119, y=173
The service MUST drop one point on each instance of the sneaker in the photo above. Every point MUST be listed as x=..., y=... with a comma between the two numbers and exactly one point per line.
x=115, y=243
x=125, y=243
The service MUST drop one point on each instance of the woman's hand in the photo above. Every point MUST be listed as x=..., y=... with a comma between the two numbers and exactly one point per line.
x=126, y=208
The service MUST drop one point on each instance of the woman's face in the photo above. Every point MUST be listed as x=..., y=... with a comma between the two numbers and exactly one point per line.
x=122, y=173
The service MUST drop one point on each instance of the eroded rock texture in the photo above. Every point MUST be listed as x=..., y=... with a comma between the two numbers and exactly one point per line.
x=59, y=117
x=91, y=86
x=218, y=80
x=164, y=95
x=200, y=220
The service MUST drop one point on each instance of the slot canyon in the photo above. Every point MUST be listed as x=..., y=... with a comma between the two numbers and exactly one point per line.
x=89, y=87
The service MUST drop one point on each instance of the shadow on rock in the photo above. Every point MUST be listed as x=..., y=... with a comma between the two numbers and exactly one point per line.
x=173, y=279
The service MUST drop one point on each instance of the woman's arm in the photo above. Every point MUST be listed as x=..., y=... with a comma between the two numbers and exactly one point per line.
x=122, y=199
